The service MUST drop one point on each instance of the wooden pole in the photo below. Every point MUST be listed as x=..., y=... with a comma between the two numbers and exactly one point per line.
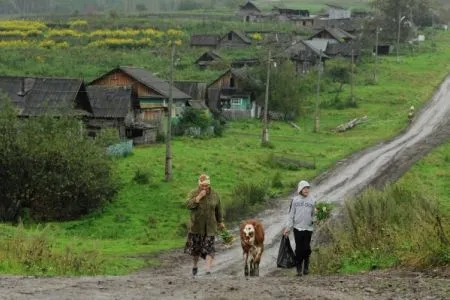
x=352, y=75
x=265, y=133
x=376, y=56
x=398, y=33
x=168, y=173
x=317, y=112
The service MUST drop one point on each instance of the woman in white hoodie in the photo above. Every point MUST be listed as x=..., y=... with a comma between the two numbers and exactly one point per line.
x=301, y=215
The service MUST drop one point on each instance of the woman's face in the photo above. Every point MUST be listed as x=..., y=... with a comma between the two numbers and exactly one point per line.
x=305, y=191
x=204, y=187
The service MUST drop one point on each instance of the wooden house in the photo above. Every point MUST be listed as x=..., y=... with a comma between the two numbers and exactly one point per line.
x=35, y=96
x=229, y=95
x=333, y=33
x=205, y=40
x=249, y=12
x=234, y=39
x=152, y=93
x=208, y=58
x=116, y=107
x=305, y=54
x=338, y=12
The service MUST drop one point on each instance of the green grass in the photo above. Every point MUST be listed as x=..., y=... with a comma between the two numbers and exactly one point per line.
x=146, y=219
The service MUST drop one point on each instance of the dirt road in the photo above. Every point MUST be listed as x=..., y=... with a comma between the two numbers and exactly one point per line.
x=374, y=166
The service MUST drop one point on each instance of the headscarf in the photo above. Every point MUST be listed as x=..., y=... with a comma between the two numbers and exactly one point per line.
x=204, y=179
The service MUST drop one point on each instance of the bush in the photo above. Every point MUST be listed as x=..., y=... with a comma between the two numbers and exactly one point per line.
x=141, y=177
x=276, y=181
x=246, y=198
x=196, y=123
x=50, y=168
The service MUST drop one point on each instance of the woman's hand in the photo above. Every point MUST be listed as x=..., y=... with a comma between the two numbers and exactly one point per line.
x=200, y=196
x=286, y=232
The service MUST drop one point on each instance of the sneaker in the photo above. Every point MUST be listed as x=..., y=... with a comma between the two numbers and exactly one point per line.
x=194, y=271
x=208, y=273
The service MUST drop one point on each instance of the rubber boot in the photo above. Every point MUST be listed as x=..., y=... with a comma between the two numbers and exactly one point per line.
x=299, y=267
x=306, y=266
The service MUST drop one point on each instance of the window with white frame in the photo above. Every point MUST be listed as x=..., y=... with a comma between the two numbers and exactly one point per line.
x=236, y=102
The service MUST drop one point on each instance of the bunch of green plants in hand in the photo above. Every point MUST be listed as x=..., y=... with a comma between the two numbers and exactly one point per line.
x=226, y=236
x=323, y=211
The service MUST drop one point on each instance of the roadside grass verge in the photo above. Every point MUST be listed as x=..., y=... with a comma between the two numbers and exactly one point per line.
x=405, y=225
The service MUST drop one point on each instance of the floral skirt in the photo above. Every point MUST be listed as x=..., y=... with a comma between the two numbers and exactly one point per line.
x=198, y=245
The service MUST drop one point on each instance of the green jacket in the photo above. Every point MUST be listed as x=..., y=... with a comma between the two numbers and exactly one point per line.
x=205, y=215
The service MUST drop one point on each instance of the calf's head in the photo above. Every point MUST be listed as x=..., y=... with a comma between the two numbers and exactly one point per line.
x=249, y=233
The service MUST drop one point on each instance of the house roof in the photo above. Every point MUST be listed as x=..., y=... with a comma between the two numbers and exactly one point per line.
x=35, y=96
x=241, y=35
x=147, y=78
x=293, y=12
x=205, y=40
x=337, y=33
x=196, y=89
x=249, y=6
x=240, y=73
x=317, y=45
x=302, y=46
x=109, y=102
x=335, y=6
x=197, y=104
x=208, y=56
x=344, y=24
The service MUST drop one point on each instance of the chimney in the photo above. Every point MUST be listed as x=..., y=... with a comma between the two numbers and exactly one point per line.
x=21, y=93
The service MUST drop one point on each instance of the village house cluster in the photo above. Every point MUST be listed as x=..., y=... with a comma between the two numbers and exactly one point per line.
x=134, y=101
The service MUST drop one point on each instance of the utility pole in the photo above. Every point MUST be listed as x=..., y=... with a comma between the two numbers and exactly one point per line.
x=352, y=75
x=317, y=112
x=376, y=55
x=265, y=133
x=168, y=172
x=398, y=32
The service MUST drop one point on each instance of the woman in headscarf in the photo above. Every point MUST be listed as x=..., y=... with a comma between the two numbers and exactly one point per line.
x=206, y=219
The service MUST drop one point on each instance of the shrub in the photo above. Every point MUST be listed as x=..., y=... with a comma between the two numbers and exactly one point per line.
x=276, y=181
x=246, y=197
x=50, y=168
x=141, y=177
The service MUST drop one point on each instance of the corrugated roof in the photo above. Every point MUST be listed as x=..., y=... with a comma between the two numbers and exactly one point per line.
x=109, y=102
x=148, y=79
x=196, y=89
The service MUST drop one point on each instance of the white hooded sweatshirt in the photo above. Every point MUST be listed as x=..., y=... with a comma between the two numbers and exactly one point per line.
x=301, y=213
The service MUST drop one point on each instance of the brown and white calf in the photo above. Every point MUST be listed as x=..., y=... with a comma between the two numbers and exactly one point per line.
x=252, y=242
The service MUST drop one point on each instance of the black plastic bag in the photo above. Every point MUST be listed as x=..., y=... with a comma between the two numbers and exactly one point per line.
x=286, y=256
